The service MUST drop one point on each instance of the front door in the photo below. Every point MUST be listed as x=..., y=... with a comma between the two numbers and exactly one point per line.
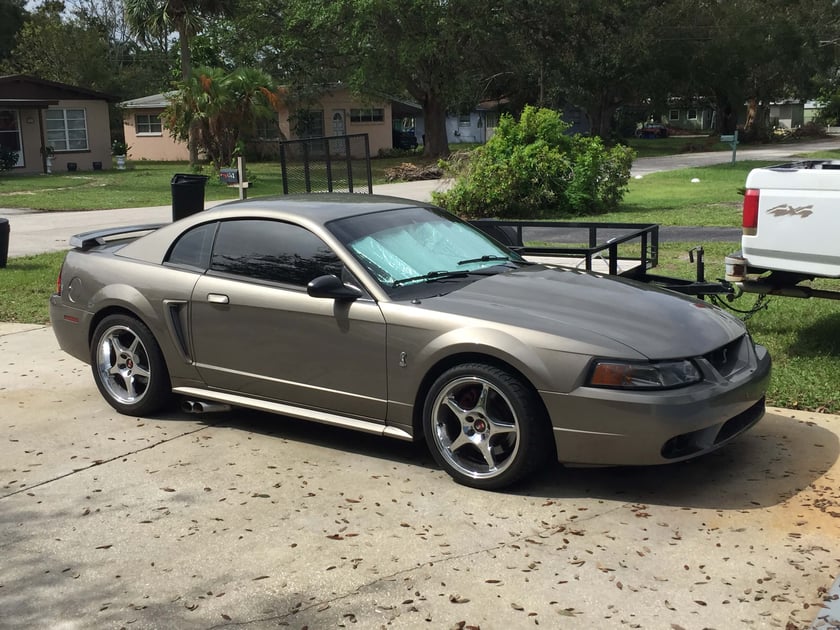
x=337, y=147
x=256, y=330
x=338, y=127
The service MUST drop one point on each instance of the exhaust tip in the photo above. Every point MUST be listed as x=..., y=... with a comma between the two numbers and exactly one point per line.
x=203, y=406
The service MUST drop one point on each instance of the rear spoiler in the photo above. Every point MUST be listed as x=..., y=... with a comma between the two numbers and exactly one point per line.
x=87, y=240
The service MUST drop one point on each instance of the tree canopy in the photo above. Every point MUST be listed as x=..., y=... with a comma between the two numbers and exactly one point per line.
x=598, y=55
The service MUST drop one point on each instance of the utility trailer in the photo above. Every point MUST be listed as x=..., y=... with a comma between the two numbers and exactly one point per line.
x=629, y=250
x=791, y=236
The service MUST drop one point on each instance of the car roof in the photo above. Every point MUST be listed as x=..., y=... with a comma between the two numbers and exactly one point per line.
x=316, y=207
x=313, y=210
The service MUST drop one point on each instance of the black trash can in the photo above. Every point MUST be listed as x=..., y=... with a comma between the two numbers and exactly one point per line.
x=187, y=194
x=4, y=242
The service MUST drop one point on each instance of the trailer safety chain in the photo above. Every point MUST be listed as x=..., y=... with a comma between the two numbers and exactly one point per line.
x=761, y=304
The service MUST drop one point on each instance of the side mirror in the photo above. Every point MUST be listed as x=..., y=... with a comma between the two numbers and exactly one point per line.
x=333, y=288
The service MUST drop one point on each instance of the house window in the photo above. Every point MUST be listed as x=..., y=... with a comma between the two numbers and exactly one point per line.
x=692, y=114
x=147, y=124
x=267, y=129
x=67, y=129
x=10, y=133
x=309, y=123
x=491, y=119
x=367, y=115
x=464, y=120
x=674, y=114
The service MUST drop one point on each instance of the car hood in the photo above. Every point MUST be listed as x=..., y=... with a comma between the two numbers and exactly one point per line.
x=653, y=322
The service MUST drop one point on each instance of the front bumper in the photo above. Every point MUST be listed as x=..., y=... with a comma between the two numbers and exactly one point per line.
x=604, y=427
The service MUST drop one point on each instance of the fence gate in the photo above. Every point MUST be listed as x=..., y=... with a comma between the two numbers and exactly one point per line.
x=329, y=164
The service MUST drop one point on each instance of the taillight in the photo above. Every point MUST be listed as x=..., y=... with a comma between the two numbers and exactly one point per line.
x=58, y=281
x=750, y=215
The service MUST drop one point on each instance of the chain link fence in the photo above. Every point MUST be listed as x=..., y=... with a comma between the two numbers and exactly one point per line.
x=328, y=164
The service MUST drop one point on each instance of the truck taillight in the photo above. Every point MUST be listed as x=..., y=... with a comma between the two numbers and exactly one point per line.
x=750, y=218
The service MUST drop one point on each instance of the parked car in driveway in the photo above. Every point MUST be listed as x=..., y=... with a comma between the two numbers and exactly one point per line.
x=394, y=317
x=652, y=130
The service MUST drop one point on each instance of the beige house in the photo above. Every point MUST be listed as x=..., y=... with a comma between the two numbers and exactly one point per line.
x=41, y=119
x=144, y=133
x=335, y=112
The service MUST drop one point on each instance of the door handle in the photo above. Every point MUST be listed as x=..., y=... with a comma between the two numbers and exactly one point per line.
x=217, y=298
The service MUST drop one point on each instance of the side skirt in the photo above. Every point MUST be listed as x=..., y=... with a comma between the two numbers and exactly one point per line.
x=295, y=412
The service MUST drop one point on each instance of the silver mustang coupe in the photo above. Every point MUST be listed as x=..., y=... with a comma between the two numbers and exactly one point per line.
x=394, y=317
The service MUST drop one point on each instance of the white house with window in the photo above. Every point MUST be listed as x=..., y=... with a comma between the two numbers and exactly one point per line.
x=41, y=119
x=695, y=117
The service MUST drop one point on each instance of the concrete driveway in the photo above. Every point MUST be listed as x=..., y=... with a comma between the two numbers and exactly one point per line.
x=245, y=520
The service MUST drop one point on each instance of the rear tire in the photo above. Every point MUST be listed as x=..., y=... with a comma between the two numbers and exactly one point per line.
x=128, y=366
x=485, y=426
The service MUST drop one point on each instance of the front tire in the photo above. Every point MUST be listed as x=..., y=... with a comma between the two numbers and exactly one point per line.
x=128, y=366
x=485, y=426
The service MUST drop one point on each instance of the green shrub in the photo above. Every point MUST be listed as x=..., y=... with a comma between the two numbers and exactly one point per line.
x=533, y=169
x=8, y=159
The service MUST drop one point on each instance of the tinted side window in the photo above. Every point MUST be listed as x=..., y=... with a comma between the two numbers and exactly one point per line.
x=193, y=248
x=273, y=251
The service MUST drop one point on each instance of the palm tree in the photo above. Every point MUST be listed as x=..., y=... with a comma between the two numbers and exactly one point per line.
x=221, y=106
x=158, y=18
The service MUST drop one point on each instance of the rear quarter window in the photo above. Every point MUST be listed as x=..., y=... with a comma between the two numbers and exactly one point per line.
x=193, y=248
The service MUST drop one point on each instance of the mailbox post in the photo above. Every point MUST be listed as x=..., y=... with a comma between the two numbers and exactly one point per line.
x=733, y=142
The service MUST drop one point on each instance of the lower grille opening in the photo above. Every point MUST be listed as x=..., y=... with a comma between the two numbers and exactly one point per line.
x=741, y=422
x=698, y=441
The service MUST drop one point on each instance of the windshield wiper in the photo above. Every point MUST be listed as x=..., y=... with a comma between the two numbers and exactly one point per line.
x=485, y=258
x=432, y=276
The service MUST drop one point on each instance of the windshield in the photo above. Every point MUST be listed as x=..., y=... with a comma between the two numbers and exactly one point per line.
x=418, y=245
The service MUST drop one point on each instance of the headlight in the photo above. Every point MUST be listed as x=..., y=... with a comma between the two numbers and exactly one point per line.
x=663, y=375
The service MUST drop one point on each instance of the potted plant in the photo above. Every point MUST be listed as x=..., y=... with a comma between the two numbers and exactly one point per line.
x=119, y=149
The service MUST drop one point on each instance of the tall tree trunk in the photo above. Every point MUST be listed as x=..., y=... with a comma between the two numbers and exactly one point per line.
x=601, y=116
x=186, y=73
x=726, y=119
x=435, y=142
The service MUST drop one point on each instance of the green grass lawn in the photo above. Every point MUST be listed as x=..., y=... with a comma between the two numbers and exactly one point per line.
x=670, y=197
x=146, y=184
x=26, y=285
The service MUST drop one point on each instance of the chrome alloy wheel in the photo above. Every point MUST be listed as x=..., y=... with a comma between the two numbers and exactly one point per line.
x=475, y=427
x=122, y=363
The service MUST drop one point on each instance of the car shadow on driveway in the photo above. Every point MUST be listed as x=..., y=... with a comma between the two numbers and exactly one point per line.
x=774, y=461
x=325, y=436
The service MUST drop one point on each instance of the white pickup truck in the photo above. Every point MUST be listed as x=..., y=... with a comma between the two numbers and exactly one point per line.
x=791, y=229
